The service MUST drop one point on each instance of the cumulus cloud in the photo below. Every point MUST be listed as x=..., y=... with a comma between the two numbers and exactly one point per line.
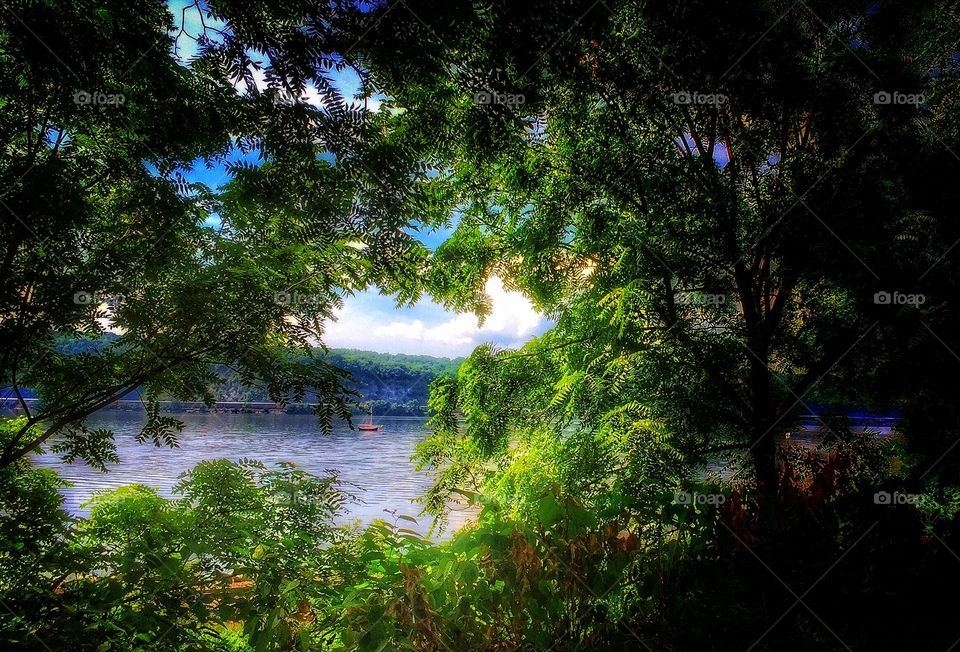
x=512, y=320
x=511, y=315
x=347, y=85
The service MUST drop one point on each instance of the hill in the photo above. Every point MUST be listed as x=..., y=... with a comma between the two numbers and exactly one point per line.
x=396, y=384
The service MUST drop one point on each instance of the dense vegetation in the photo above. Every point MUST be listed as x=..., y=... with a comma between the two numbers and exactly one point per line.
x=392, y=384
x=731, y=210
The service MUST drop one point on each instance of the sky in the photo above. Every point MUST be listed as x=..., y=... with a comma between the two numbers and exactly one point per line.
x=368, y=320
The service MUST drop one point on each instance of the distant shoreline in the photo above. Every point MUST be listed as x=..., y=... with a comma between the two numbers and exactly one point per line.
x=225, y=407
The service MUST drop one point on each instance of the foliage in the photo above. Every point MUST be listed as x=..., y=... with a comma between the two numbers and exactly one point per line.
x=250, y=558
x=109, y=225
x=708, y=215
x=250, y=554
x=395, y=384
x=709, y=200
x=172, y=575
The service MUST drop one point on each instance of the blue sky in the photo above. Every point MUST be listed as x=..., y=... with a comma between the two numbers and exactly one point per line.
x=370, y=321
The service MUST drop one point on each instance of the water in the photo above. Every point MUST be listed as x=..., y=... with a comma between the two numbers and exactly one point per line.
x=377, y=462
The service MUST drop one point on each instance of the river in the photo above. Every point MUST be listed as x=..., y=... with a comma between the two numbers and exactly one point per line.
x=376, y=465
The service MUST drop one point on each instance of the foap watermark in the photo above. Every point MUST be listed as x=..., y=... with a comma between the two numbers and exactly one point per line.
x=699, y=299
x=884, y=298
x=85, y=298
x=296, y=497
x=294, y=299
x=282, y=98
x=694, y=97
x=898, y=98
x=695, y=498
x=99, y=99
x=895, y=498
x=485, y=98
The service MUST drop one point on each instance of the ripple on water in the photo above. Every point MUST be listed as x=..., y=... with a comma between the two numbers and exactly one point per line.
x=378, y=463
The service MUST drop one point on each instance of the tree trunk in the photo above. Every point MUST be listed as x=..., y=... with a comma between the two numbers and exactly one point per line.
x=763, y=442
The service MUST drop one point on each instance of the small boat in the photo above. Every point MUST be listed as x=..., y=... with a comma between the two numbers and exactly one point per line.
x=369, y=425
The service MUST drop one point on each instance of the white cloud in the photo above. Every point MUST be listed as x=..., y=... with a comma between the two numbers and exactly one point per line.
x=311, y=93
x=512, y=312
x=512, y=321
x=312, y=96
x=511, y=315
x=259, y=80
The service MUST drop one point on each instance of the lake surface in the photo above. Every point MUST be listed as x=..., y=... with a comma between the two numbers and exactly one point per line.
x=378, y=463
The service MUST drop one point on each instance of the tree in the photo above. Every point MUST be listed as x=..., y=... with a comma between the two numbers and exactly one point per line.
x=102, y=231
x=711, y=199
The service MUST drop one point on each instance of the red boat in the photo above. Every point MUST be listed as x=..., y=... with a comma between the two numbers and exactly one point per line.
x=369, y=425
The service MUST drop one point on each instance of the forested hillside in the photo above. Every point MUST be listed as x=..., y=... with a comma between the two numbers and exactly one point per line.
x=396, y=384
